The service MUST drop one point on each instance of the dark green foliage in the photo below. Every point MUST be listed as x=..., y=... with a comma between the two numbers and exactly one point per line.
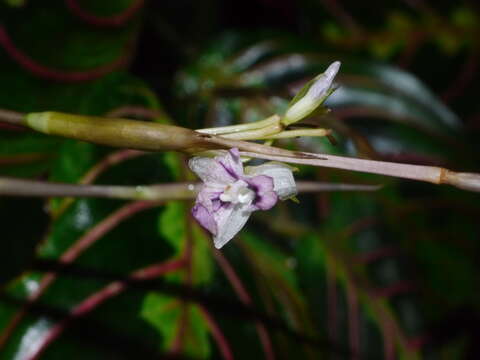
x=387, y=266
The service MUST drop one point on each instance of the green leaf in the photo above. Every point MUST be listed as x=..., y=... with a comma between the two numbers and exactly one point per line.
x=275, y=269
x=202, y=258
x=178, y=228
x=168, y=314
x=112, y=254
x=27, y=155
x=172, y=226
x=270, y=260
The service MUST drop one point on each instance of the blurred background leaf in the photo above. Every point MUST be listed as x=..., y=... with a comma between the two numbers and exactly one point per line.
x=390, y=274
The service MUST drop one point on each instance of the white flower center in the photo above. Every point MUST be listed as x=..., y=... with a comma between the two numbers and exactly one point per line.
x=238, y=193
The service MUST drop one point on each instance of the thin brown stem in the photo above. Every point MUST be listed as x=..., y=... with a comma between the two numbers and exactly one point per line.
x=92, y=174
x=432, y=174
x=317, y=186
x=177, y=344
x=12, y=117
x=160, y=192
x=157, y=192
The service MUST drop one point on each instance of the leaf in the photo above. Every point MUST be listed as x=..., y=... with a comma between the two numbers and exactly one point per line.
x=167, y=315
x=26, y=155
x=178, y=228
x=170, y=227
x=269, y=259
x=74, y=160
x=275, y=270
x=112, y=254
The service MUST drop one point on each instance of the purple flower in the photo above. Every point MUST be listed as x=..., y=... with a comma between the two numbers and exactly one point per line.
x=229, y=195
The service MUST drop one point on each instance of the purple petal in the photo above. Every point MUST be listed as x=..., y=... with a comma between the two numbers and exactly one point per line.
x=211, y=171
x=207, y=197
x=220, y=171
x=235, y=154
x=217, y=204
x=283, y=181
x=261, y=183
x=231, y=163
x=204, y=218
x=266, y=200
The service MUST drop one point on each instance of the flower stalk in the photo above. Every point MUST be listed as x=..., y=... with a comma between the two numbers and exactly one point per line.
x=431, y=174
x=159, y=192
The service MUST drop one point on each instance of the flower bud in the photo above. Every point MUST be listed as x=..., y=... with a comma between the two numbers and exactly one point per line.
x=311, y=96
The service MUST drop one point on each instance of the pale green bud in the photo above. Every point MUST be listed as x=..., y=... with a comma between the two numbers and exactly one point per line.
x=311, y=96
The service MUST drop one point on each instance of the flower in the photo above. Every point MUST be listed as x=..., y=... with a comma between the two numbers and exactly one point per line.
x=312, y=95
x=229, y=196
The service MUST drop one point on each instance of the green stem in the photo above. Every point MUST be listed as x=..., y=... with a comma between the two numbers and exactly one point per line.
x=133, y=134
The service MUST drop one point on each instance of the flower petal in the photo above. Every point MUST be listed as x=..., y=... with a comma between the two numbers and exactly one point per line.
x=261, y=183
x=204, y=218
x=207, y=196
x=231, y=163
x=324, y=82
x=230, y=220
x=263, y=186
x=266, y=200
x=210, y=171
x=220, y=171
x=283, y=181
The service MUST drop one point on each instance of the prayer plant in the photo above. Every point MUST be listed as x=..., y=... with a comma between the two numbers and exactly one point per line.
x=288, y=202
